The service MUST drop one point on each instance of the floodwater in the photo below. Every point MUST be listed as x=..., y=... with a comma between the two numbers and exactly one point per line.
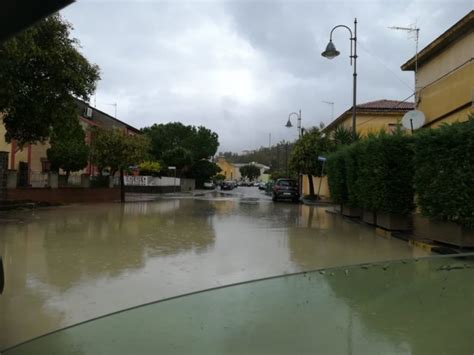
x=68, y=264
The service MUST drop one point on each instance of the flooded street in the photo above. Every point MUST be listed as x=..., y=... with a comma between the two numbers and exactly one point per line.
x=68, y=264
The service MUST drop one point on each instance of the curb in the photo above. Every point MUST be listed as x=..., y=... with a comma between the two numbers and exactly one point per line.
x=424, y=244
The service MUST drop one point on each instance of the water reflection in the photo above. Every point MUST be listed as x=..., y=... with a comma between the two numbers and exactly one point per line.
x=408, y=307
x=335, y=241
x=67, y=264
x=423, y=306
x=70, y=264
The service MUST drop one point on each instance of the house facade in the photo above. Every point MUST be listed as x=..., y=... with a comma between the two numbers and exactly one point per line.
x=231, y=171
x=372, y=117
x=445, y=75
x=31, y=162
x=227, y=169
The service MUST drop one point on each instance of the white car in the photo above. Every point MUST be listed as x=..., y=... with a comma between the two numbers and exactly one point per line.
x=209, y=185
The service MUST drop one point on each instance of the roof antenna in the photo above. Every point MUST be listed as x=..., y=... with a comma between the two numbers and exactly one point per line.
x=414, y=31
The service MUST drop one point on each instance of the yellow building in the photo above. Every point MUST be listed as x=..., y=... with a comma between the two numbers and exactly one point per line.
x=445, y=75
x=227, y=169
x=372, y=117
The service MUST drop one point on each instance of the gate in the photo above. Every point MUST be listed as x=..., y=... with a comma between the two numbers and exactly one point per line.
x=23, y=174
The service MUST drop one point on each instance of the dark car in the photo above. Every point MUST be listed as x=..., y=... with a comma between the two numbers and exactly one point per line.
x=227, y=185
x=285, y=189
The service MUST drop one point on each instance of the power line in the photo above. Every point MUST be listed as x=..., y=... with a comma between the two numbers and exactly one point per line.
x=386, y=67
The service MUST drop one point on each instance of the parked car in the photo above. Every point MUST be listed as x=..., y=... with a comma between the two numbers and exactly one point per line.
x=209, y=185
x=285, y=189
x=227, y=185
x=262, y=186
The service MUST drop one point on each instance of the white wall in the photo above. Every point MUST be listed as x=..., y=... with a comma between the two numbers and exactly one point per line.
x=151, y=181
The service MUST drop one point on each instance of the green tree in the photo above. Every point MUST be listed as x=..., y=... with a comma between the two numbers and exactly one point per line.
x=203, y=170
x=183, y=146
x=41, y=72
x=68, y=151
x=116, y=150
x=179, y=157
x=304, y=157
x=200, y=142
x=203, y=143
x=250, y=171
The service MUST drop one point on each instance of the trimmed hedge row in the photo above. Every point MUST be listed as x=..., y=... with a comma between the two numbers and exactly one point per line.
x=384, y=172
x=444, y=179
x=336, y=172
x=375, y=173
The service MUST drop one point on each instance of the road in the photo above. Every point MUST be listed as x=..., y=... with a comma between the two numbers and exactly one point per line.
x=69, y=264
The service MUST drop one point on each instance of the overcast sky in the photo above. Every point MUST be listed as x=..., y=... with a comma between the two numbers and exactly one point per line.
x=240, y=67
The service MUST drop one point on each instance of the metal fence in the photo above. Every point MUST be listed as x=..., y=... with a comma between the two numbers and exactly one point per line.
x=38, y=179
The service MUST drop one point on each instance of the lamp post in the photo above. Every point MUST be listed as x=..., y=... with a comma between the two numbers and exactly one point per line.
x=331, y=52
x=298, y=126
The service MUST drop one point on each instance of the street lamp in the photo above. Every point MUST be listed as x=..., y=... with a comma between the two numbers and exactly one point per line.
x=298, y=117
x=331, y=52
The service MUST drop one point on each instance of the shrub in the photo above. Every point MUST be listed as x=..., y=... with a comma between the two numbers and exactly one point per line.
x=352, y=170
x=375, y=173
x=99, y=181
x=336, y=172
x=444, y=178
x=386, y=170
x=152, y=168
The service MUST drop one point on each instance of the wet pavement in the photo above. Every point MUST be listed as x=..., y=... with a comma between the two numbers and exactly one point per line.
x=68, y=264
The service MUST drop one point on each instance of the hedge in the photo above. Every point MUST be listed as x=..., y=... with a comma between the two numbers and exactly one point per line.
x=375, y=173
x=444, y=179
x=335, y=169
x=395, y=159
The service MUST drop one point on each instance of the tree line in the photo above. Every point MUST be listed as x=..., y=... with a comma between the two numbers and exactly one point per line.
x=276, y=157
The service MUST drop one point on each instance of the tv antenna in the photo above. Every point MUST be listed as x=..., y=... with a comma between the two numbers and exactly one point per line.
x=332, y=107
x=414, y=32
x=115, y=106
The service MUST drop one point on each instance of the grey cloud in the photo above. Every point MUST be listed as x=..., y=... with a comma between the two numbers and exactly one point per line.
x=239, y=67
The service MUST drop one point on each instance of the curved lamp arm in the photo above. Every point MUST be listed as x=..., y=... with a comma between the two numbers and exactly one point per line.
x=351, y=38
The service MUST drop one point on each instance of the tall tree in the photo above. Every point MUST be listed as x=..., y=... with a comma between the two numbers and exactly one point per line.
x=68, y=151
x=304, y=157
x=250, y=171
x=41, y=71
x=200, y=141
x=114, y=149
x=117, y=150
x=184, y=147
x=203, y=143
x=203, y=170
x=179, y=157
